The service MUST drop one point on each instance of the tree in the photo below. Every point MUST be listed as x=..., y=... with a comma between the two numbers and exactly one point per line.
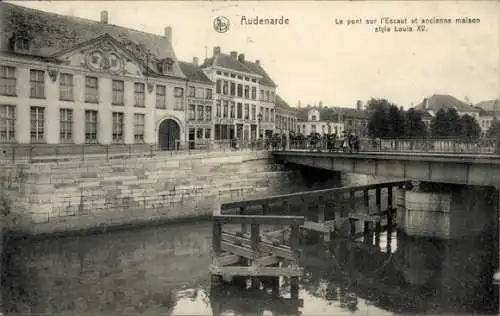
x=494, y=130
x=446, y=124
x=397, y=122
x=469, y=127
x=386, y=120
x=414, y=125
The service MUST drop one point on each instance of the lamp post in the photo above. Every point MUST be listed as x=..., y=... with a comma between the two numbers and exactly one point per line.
x=259, y=119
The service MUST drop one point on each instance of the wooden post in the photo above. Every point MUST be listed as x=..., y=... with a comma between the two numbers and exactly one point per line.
x=389, y=196
x=255, y=239
x=216, y=238
x=353, y=227
x=265, y=208
x=352, y=201
x=244, y=227
x=366, y=200
x=378, y=199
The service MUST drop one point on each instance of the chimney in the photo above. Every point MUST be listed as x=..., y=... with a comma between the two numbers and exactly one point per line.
x=257, y=62
x=195, y=61
x=426, y=103
x=216, y=50
x=234, y=54
x=168, y=33
x=241, y=58
x=359, y=105
x=104, y=17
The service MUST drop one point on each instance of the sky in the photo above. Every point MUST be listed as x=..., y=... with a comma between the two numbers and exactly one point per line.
x=313, y=58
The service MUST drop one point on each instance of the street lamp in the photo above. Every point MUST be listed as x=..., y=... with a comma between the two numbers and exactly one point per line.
x=259, y=119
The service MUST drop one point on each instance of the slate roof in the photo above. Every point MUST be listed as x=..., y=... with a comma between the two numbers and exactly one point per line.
x=50, y=33
x=490, y=105
x=230, y=62
x=445, y=101
x=280, y=103
x=194, y=72
x=331, y=113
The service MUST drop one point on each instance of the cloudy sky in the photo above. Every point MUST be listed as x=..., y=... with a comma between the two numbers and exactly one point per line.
x=312, y=58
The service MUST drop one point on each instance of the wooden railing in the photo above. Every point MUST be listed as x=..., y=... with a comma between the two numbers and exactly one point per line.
x=261, y=253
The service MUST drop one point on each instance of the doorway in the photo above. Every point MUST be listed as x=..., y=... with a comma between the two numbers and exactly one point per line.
x=169, y=135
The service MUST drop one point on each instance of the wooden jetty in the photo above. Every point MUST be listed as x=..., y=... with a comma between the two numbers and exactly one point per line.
x=263, y=256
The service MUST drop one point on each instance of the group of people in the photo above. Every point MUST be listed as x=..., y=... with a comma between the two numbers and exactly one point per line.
x=347, y=142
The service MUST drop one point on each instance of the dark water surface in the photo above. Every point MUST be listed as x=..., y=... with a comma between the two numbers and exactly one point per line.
x=163, y=271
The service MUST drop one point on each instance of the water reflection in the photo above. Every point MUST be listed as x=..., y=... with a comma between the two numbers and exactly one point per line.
x=163, y=271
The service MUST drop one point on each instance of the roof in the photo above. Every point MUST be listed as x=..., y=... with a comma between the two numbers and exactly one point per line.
x=331, y=113
x=490, y=105
x=280, y=103
x=444, y=101
x=194, y=72
x=51, y=33
x=230, y=62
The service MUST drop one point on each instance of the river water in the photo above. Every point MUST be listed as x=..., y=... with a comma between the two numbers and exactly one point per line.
x=163, y=271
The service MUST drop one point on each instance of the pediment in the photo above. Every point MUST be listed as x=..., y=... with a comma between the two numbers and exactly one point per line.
x=103, y=54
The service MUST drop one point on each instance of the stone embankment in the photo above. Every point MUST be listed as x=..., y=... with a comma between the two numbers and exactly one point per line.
x=78, y=195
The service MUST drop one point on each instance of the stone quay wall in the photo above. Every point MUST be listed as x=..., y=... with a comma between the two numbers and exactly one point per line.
x=65, y=196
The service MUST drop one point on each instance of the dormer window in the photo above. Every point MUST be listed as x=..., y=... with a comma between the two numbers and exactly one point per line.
x=167, y=65
x=22, y=44
x=313, y=117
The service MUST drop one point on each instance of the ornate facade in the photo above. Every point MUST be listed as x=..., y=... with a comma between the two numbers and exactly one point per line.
x=82, y=81
x=245, y=97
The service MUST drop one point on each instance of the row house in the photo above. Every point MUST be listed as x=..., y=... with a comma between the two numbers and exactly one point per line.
x=322, y=120
x=82, y=81
x=286, y=117
x=244, y=97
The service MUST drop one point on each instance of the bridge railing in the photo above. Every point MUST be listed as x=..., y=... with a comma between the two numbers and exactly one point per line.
x=435, y=145
x=56, y=152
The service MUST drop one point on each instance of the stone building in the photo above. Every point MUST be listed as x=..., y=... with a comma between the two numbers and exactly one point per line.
x=322, y=120
x=245, y=96
x=286, y=117
x=83, y=81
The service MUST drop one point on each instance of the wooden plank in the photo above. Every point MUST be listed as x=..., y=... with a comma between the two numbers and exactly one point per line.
x=259, y=219
x=257, y=271
x=255, y=240
x=227, y=260
x=389, y=196
x=378, y=201
x=267, y=260
x=244, y=227
x=216, y=238
x=266, y=303
x=319, y=227
x=310, y=194
x=265, y=247
x=365, y=217
x=242, y=251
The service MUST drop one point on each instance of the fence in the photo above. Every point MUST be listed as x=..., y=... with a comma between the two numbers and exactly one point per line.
x=60, y=152
x=435, y=145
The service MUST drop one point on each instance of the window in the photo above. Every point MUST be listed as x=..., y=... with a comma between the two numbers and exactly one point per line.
x=66, y=87
x=247, y=92
x=240, y=111
x=266, y=115
x=240, y=90
x=218, y=109
x=254, y=110
x=65, y=125
x=167, y=66
x=199, y=133
x=117, y=127
x=218, y=86
x=208, y=93
x=272, y=115
x=22, y=44
x=254, y=93
x=233, y=76
x=139, y=94
x=191, y=92
x=261, y=96
x=37, y=122
x=118, y=92
x=139, y=127
x=232, y=91
x=200, y=112
x=7, y=80
x=91, y=90
x=225, y=87
x=208, y=133
x=37, y=84
x=161, y=100
x=192, y=112
x=313, y=117
x=179, y=98
x=208, y=113
x=226, y=105
x=90, y=126
x=233, y=109
x=7, y=123
x=247, y=111
x=267, y=96
x=240, y=77
x=272, y=97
